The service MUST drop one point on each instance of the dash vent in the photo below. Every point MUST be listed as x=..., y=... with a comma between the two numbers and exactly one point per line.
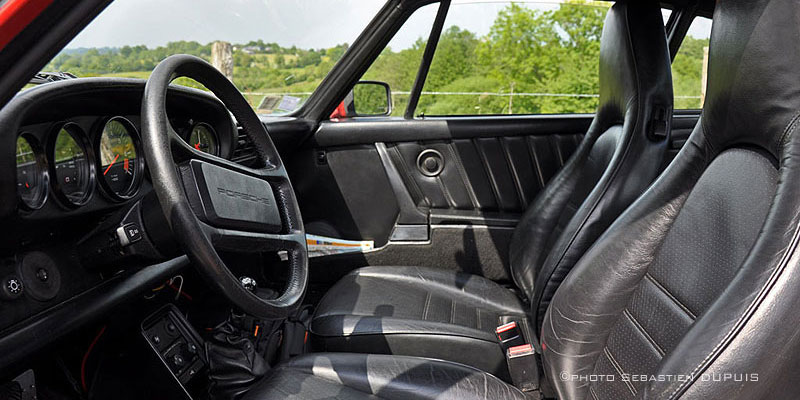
x=245, y=153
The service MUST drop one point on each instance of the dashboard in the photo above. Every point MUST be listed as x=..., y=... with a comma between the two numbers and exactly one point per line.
x=78, y=145
x=107, y=158
x=72, y=164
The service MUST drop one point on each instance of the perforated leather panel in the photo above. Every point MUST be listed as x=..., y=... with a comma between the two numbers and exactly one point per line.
x=712, y=234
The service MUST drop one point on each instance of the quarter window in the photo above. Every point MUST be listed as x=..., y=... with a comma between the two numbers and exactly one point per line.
x=689, y=67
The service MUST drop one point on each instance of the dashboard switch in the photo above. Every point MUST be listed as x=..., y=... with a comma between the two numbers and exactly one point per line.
x=178, y=360
x=129, y=233
x=12, y=288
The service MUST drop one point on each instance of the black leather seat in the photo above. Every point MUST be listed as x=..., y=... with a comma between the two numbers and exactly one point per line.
x=417, y=311
x=694, y=291
x=700, y=276
x=363, y=376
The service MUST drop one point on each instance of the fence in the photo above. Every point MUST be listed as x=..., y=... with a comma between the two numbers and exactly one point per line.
x=256, y=98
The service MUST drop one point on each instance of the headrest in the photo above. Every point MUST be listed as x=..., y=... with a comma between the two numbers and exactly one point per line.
x=634, y=61
x=753, y=91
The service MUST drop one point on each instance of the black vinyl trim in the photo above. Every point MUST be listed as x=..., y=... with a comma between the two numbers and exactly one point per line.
x=26, y=337
x=427, y=57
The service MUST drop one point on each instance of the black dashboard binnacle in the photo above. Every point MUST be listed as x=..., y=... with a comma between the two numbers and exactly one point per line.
x=82, y=150
x=73, y=181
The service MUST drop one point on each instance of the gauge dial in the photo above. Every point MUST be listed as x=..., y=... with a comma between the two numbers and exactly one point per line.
x=119, y=162
x=204, y=138
x=72, y=169
x=31, y=173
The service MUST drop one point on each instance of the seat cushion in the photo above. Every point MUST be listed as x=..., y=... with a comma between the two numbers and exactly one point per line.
x=419, y=312
x=362, y=376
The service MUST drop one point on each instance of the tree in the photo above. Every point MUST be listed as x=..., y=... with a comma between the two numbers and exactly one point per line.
x=527, y=51
x=687, y=72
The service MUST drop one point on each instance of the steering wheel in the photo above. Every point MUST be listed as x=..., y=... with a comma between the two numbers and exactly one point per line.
x=211, y=203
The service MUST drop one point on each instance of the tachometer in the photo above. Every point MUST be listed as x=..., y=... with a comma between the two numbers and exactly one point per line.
x=204, y=138
x=73, y=172
x=120, y=162
x=31, y=173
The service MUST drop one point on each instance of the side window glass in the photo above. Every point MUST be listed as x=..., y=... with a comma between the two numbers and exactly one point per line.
x=516, y=58
x=690, y=64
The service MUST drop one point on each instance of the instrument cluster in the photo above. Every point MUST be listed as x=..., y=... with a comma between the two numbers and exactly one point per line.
x=74, y=164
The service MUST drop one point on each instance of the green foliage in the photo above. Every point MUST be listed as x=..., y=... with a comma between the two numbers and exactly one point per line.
x=370, y=99
x=687, y=72
x=530, y=61
x=258, y=66
x=526, y=52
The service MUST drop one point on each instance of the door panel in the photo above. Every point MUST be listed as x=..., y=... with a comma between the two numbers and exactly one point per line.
x=501, y=174
x=344, y=192
x=362, y=179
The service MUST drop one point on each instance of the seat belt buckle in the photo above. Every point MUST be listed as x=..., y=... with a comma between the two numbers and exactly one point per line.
x=509, y=335
x=523, y=367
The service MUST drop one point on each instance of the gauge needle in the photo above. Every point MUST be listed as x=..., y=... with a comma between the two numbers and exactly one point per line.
x=197, y=146
x=111, y=165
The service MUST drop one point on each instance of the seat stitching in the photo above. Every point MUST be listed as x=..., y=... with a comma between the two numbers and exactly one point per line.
x=593, y=393
x=446, y=289
x=617, y=367
x=644, y=333
x=425, y=308
x=663, y=289
x=343, y=384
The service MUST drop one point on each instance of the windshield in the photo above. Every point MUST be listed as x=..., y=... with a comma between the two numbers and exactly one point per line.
x=276, y=52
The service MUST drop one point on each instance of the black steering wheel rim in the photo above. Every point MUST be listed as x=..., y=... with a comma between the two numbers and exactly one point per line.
x=178, y=182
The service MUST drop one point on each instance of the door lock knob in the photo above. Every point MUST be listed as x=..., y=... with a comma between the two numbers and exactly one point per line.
x=430, y=162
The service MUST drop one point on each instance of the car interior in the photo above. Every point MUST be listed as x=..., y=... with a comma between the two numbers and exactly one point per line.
x=644, y=250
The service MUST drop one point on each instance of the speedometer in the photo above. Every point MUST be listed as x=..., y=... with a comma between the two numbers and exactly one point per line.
x=120, y=161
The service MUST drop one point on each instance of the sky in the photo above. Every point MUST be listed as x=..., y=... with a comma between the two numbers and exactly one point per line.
x=302, y=23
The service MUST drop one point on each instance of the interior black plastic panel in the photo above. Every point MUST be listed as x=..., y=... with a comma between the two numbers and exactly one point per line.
x=344, y=192
x=29, y=335
x=683, y=122
x=493, y=167
x=487, y=174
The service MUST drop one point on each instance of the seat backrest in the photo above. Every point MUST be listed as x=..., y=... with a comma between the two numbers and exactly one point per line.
x=619, y=157
x=695, y=290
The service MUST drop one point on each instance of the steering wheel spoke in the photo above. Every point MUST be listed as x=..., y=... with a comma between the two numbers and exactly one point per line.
x=240, y=241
